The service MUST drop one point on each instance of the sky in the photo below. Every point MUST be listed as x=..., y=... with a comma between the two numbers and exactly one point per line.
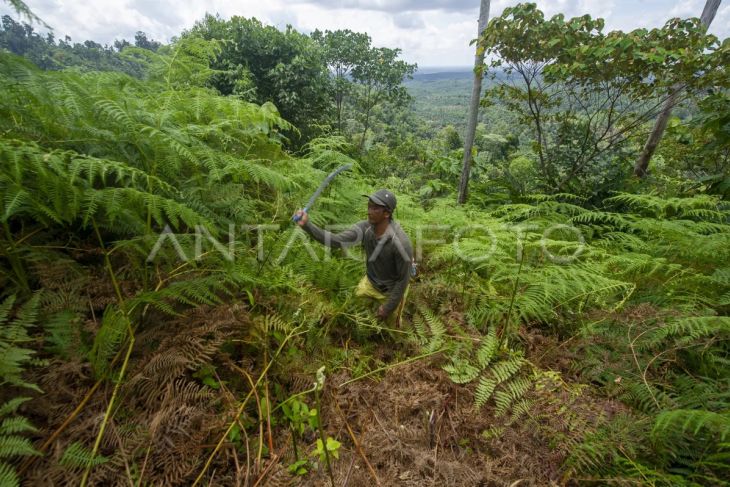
x=429, y=32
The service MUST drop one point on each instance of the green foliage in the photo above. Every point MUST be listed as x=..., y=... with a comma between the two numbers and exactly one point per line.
x=430, y=330
x=343, y=50
x=185, y=63
x=11, y=444
x=112, y=333
x=48, y=53
x=333, y=448
x=286, y=68
x=14, y=357
x=499, y=371
x=78, y=456
x=365, y=78
x=583, y=110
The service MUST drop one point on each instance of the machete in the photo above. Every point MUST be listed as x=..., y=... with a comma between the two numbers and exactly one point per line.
x=324, y=184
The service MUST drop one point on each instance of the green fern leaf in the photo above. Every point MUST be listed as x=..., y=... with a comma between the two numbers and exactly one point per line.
x=111, y=334
x=12, y=405
x=78, y=456
x=8, y=477
x=18, y=424
x=484, y=391
x=11, y=446
x=461, y=371
x=488, y=348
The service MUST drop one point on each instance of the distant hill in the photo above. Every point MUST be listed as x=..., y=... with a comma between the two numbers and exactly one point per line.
x=441, y=97
x=435, y=73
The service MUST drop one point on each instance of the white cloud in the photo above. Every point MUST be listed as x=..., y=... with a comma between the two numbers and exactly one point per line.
x=408, y=20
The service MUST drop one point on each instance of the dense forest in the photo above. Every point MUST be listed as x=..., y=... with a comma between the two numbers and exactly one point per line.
x=163, y=321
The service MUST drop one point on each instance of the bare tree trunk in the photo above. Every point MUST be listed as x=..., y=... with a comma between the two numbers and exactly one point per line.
x=367, y=120
x=476, y=93
x=642, y=164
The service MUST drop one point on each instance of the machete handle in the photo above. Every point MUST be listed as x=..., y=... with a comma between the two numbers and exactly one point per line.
x=295, y=218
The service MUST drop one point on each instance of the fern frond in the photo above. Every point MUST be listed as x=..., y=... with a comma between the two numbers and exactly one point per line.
x=503, y=371
x=12, y=446
x=18, y=424
x=436, y=329
x=484, y=390
x=461, y=371
x=5, y=308
x=488, y=348
x=690, y=329
x=12, y=405
x=8, y=477
x=78, y=456
x=13, y=357
x=108, y=340
x=681, y=421
x=520, y=409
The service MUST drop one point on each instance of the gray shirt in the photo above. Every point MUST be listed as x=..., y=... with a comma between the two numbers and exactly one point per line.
x=388, y=257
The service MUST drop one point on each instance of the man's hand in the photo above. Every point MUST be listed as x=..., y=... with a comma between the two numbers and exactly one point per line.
x=381, y=314
x=303, y=217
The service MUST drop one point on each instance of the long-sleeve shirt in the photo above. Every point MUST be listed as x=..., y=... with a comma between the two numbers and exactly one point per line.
x=388, y=257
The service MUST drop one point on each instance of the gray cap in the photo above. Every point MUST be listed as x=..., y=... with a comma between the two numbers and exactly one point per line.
x=383, y=197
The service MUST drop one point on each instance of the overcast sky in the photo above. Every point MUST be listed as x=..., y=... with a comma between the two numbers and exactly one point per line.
x=430, y=32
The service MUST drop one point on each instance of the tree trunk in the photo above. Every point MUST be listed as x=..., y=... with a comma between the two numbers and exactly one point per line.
x=642, y=164
x=476, y=93
x=338, y=105
x=367, y=120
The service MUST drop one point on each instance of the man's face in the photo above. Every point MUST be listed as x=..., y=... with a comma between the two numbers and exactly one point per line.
x=377, y=213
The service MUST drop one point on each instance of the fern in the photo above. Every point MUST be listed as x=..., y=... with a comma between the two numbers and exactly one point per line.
x=461, y=371
x=78, y=456
x=488, y=348
x=11, y=444
x=14, y=358
x=683, y=421
x=484, y=390
x=112, y=333
x=430, y=329
x=690, y=329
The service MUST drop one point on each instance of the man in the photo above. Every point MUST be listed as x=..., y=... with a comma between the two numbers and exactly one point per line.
x=387, y=248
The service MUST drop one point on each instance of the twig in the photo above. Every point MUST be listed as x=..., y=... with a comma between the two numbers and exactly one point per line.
x=436, y=449
x=144, y=464
x=61, y=428
x=238, y=467
x=377, y=420
x=274, y=461
x=320, y=427
x=387, y=367
x=431, y=432
x=349, y=471
x=357, y=446
x=248, y=454
x=258, y=407
x=108, y=412
x=125, y=458
x=268, y=410
x=122, y=306
x=636, y=360
x=240, y=409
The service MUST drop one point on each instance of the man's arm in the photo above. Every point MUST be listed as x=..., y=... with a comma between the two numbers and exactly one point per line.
x=347, y=238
